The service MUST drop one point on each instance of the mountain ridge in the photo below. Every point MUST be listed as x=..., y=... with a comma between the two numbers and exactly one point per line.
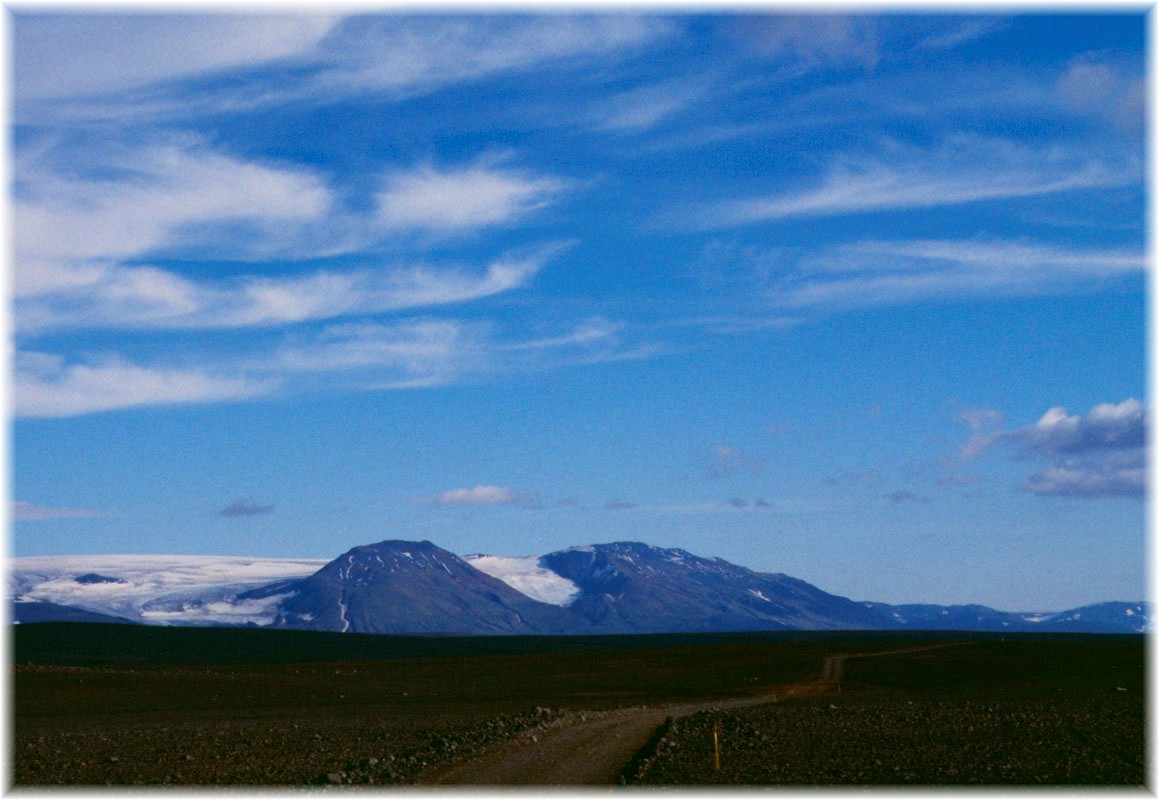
x=409, y=587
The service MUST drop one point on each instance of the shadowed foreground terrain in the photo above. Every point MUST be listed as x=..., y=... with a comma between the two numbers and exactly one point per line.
x=109, y=704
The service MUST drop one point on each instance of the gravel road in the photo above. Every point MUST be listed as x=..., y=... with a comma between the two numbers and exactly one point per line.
x=984, y=714
x=583, y=749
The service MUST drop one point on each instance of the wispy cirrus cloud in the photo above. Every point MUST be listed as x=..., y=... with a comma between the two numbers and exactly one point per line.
x=964, y=169
x=154, y=48
x=644, y=107
x=357, y=355
x=144, y=297
x=131, y=201
x=47, y=385
x=83, y=239
x=417, y=53
x=462, y=199
x=814, y=41
x=23, y=511
x=189, y=65
x=868, y=274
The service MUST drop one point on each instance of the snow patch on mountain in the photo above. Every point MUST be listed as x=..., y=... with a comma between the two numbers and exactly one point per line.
x=161, y=590
x=526, y=575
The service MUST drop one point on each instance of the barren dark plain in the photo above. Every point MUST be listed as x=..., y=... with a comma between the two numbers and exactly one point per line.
x=96, y=705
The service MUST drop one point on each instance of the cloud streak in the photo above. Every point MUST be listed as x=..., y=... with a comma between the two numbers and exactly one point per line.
x=483, y=495
x=44, y=385
x=149, y=298
x=964, y=169
x=870, y=274
x=470, y=198
x=244, y=507
x=156, y=48
x=22, y=511
x=330, y=58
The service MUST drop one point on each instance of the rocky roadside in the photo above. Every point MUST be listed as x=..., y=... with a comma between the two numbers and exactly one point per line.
x=1097, y=740
x=256, y=752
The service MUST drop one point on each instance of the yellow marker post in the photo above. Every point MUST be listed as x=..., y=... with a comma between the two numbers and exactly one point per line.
x=715, y=747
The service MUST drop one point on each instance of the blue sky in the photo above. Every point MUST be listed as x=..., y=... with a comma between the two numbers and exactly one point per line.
x=858, y=298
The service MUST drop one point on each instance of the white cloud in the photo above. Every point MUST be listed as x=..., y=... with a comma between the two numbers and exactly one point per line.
x=141, y=297
x=392, y=55
x=1101, y=454
x=965, y=169
x=876, y=273
x=645, y=107
x=357, y=355
x=412, y=53
x=65, y=55
x=131, y=202
x=985, y=426
x=44, y=385
x=814, y=41
x=23, y=511
x=1124, y=475
x=407, y=354
x=1108, y=426
x=483, y=496
x=456, y=200
x=1094, y=88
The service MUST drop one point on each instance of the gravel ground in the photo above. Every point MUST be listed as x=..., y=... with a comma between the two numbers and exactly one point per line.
x=1094, y=740
x=258, y=752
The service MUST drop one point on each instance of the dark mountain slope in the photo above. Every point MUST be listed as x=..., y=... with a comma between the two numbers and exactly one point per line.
x=637, y=588
x=411, y=587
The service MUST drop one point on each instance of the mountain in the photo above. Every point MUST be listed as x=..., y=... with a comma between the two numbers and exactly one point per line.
x=631, y=587
x=419, y=588
x=409, y=587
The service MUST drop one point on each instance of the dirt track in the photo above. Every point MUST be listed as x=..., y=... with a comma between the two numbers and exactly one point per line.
x=808, y=711
x=585, y=749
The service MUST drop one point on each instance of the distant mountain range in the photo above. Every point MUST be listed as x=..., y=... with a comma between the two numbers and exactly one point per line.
x=418, y=588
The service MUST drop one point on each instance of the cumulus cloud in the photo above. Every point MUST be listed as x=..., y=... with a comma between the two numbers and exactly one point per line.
x=1117, y=475
x=1100, y=454
x=484, y=495
x=1106, y=427
x=245, y=507
x=22, y=511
